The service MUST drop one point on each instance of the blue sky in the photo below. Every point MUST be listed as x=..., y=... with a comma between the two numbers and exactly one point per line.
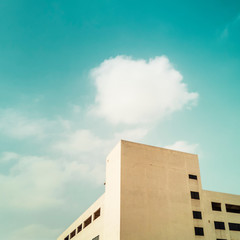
x=76, y=76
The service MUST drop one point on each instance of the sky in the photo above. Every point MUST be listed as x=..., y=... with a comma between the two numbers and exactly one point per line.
x=77, y=76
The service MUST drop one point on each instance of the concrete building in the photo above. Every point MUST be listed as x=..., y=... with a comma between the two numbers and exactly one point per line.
x=153, y=193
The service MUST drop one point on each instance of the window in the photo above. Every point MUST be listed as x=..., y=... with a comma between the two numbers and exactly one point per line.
x=199, y=231
x=79, y=229
x=220, y=239
x=96, y=238
x=191, y=176
x=234, y=226
x=232, y=208
x=88, y=221
x=195, y=195
x=216, y=206
x=219, y=225
x=66, y=238
x=73, y=233
x=97, y=214
x=197, y=215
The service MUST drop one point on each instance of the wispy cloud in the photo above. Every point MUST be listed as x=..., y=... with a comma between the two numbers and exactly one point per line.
x=138, y=91
x=231, y=27
x=135, y=134
x=34, y=231
x=38, y=182
x=84, y=141
x=183, y=146
x=79, y=141
x=15, y=124
x=8, y=156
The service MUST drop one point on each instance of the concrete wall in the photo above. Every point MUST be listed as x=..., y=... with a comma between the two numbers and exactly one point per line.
x=92, y=230
x=222, y=216
x=155, y=193
x=112, y=195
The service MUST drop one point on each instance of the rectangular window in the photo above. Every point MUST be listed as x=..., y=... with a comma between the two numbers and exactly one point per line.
x=199, y=231
x=87, y=221
x=221, y=239
x=216, y=206
x=232, y=208
x=66, y=238
x=79, y=229
x=219, y=225
x=73, y=233
x=234, y=226
x=96, y=238
x=191, y=176
x=197, y=215
x=195, y=195
x=97, y=214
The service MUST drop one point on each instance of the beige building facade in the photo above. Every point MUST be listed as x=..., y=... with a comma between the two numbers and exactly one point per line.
x=153, y=193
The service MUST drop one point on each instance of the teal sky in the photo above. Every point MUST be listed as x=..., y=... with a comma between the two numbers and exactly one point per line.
x=59, y=118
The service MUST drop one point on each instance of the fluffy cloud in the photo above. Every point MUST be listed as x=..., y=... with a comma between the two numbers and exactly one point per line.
x=137, y=91
x=183, y=146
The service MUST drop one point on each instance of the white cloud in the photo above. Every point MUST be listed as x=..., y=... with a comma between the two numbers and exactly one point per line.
x=138, y=91
x=76, y=108
x=34, y=231
x=183, y=146
x=31, y=183
x=79, y=141
x=8, y=156
x=39, y=182
x=15, y=124
x=64, y=124
x=131, y=134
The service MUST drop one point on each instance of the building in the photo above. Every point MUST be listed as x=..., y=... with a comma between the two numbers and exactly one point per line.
x=153, y=193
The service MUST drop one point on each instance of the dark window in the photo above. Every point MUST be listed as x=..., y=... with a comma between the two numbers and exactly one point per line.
x=96, y=238
x=219, y=225
x=191, y=176
x=221, y=239
x=216, y=206
x=73, y=233
x=79, y=229
x=197, y=215
x=199, y=231
x=66, y=238
x=87, y=221
x=97, y=214
x=232, y=208
x=234, y=226
x=195, y=195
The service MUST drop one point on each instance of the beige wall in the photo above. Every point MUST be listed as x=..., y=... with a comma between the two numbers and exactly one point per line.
x=155, y=193
x=112, y=195
x=92, y=230
x=222, y=216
